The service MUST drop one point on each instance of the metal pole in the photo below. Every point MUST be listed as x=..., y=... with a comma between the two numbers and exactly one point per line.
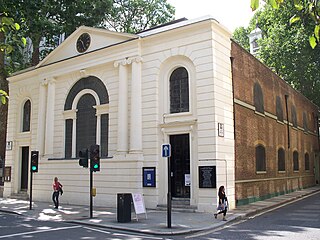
x=30, y=207
x=169, y=195
x=91, y=185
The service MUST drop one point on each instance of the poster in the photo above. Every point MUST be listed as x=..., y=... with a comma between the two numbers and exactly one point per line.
x=207, y=177
x=149, y=176
x=138, y=203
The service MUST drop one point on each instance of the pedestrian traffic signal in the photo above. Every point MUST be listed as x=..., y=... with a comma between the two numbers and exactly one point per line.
x=34, y=161
x=95, y=158
x=83, y=158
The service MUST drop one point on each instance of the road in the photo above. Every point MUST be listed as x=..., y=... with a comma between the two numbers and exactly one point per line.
x=297, y=221
x=19, y=227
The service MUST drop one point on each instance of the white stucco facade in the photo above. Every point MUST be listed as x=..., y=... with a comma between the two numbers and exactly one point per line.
x=135, y=69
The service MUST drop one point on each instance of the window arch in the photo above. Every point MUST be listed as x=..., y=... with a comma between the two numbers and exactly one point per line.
x=179, y=91
x=87, y=119
x=279, y=109
x=26, y=116
x=294, y=116
x=260, y=158
x=258, y=98
x=295, y=161
x=306, y=162
x=281, y=160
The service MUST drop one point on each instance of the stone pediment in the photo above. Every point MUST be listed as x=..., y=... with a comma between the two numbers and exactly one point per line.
x=99, y=38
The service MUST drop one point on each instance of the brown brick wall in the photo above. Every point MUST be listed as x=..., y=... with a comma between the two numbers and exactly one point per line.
x=252, y=128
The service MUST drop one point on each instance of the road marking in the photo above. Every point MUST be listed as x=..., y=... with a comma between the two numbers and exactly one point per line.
x=39, y=231
x=120, y=234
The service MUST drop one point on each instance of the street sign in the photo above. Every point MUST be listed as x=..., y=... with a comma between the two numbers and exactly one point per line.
x=166, y=150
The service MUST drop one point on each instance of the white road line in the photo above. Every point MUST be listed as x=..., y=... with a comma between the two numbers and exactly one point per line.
x=121, y=234
x=39, y=231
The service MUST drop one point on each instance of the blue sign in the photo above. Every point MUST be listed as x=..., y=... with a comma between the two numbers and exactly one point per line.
x=149, y=176
x=166, y=150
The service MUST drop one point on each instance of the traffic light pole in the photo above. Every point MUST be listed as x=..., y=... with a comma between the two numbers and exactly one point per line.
x=91, y=186
x=31, y=177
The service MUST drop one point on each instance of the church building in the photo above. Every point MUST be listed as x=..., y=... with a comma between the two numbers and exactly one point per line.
x=228, y=119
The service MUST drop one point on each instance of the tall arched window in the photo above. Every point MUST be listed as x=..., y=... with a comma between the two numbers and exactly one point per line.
x=258, y=98
x=279, y=109
x=295, y=161
x=86, y=122
x=26, y=116
x=306, y=162
x=260, y=158
x=281, y=160
x=179, y=91
x=86, y=117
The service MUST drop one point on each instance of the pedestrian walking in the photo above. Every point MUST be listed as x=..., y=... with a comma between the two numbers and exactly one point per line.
x=57, y=188
x=223, y=203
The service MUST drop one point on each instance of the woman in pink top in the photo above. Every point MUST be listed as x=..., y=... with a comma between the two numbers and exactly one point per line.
x=56, y=189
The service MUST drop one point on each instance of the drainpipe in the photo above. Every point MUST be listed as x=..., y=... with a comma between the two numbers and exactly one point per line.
x=288, y=132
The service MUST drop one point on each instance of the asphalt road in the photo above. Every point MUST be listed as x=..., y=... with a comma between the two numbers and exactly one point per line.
x=296, y=221
x=19, y=227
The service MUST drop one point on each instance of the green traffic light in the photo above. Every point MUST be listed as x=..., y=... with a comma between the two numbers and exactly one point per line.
x=95, y=166
x=34, y=168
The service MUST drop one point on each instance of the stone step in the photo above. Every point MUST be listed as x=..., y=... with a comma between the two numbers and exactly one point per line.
x=178, y=208
x=20, y=196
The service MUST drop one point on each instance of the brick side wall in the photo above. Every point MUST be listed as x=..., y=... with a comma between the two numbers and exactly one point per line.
x=252, y=128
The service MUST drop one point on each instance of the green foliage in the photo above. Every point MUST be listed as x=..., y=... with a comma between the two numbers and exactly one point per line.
x=240, y=35
x=285, y=49
x=136, y=15
x=3, y=96
x=304, y=11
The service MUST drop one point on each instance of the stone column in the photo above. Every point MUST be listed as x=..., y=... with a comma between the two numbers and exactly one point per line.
x=122, y=107
x=74, y=137
x=136, y=107
x=50, y=117
x=42, y=116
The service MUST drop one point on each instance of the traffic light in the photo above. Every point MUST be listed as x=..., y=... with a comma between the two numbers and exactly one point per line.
x=95, y=158
x=83, y=158
x=34, y=161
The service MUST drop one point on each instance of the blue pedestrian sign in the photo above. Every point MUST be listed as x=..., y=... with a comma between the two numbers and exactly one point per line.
x=166, y=150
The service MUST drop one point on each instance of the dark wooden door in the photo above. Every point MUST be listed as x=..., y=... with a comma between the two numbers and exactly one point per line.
x=180, y=165
x=24, y=168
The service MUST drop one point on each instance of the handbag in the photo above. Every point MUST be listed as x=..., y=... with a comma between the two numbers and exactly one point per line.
x=221, y=207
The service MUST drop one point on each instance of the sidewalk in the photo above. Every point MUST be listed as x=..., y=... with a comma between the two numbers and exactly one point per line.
x=156, y=222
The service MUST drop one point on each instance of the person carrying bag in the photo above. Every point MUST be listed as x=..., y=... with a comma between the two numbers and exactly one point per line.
x=223, y=204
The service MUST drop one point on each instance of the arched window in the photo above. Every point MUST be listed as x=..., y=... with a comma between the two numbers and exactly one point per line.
x=260, y=158
x=281, y=160
x=87, y=118
x=258, y=98
x=86, y=122
x=305, y=122
x=179, y=91
x=295, y=161
x=279, y=109
x=306, y=162
x=26, y=116
x=294, y=116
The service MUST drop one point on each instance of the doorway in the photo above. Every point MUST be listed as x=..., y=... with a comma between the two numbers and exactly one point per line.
x=24, y=168
x=180, y=166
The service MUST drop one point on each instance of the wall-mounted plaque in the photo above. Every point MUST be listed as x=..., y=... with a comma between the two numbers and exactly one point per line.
x=149, y=176
x=7, y=174
x=207, y=177
x=9, y=145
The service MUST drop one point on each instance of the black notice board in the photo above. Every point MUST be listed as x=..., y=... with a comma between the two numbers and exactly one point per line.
x=207, y=177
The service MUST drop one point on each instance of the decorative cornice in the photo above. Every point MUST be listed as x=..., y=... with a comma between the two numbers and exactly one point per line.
x=128, y=61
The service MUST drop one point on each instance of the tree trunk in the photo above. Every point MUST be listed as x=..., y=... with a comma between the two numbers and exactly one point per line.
x=36, y=52
x=3, y=107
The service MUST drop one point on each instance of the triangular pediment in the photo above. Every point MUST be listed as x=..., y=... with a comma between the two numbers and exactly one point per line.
x=99, y=38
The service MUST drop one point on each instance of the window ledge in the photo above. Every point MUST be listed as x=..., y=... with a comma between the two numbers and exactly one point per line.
x=261, y=172
x=259, y=113
x=281, y=172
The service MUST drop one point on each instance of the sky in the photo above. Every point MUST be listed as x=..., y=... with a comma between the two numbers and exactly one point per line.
x=230, y=13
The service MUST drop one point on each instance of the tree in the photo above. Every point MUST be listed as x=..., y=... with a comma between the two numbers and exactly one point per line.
x=285, y=49
x=305, y=11
x=132, y=16
x=8, y=27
